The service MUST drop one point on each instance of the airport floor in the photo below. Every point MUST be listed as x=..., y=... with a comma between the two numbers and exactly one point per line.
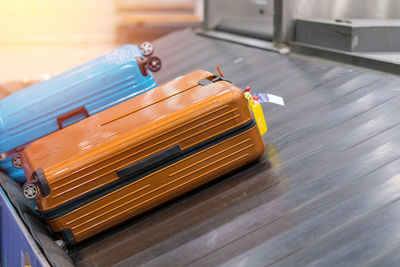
x=326, y=192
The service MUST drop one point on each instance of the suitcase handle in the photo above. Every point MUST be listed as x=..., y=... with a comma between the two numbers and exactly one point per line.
x=71, y=114
x=142, y=66
x=149, y=163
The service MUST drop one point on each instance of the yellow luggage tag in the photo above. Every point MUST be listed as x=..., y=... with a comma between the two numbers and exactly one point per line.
x=257, y=111
x=254, y=107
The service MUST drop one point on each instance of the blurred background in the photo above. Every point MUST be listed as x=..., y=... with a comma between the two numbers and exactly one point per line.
x=39, y=38
x=47, y=36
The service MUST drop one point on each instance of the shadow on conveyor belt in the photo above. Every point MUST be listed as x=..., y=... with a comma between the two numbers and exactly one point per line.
x=326, y=192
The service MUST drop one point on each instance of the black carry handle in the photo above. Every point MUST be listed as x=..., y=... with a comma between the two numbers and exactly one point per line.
x=150, y=162
x=70, y=114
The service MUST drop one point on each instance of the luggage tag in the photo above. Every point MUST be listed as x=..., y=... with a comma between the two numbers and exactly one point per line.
x=270, y=98
x=256, y=109
x=254, y=106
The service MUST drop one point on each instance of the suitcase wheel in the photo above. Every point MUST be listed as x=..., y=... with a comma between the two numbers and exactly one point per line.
x=146, y=48
x=61, y=244
x=16, y=161
x=154, y=64
x=30, y=190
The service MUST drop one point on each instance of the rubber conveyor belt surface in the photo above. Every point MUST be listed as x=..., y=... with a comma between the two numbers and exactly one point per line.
x=327, y=191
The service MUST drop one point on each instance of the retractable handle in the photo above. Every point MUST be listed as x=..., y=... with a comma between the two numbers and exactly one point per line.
x=71, y=114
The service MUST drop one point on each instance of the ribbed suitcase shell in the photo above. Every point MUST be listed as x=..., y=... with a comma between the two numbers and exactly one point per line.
x=79, y=162
x=97, y=85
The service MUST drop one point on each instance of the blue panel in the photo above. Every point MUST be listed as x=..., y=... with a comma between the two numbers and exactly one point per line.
x=97, y=85
x=15, y=248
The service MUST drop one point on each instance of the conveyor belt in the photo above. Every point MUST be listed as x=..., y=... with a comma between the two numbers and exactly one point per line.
x=326, y=193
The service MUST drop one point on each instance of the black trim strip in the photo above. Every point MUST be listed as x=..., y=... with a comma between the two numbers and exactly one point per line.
x=78, y=202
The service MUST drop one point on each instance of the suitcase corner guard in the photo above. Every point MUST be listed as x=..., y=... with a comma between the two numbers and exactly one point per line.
x=68, y=237
x=29, y=188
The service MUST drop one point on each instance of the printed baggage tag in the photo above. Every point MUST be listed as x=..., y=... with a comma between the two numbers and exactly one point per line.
x=257, y=111
x=269, y=98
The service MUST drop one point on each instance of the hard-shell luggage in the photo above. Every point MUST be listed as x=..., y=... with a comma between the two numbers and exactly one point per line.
x=50, y=105
x=125, y=160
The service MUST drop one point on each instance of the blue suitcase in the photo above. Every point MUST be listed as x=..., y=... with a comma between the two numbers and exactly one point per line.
x=50, y=105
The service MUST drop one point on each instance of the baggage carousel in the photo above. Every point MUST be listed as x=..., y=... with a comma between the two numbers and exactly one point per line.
x=326, y=192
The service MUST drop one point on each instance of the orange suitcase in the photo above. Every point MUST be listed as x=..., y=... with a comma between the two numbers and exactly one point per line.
x=134, y=156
